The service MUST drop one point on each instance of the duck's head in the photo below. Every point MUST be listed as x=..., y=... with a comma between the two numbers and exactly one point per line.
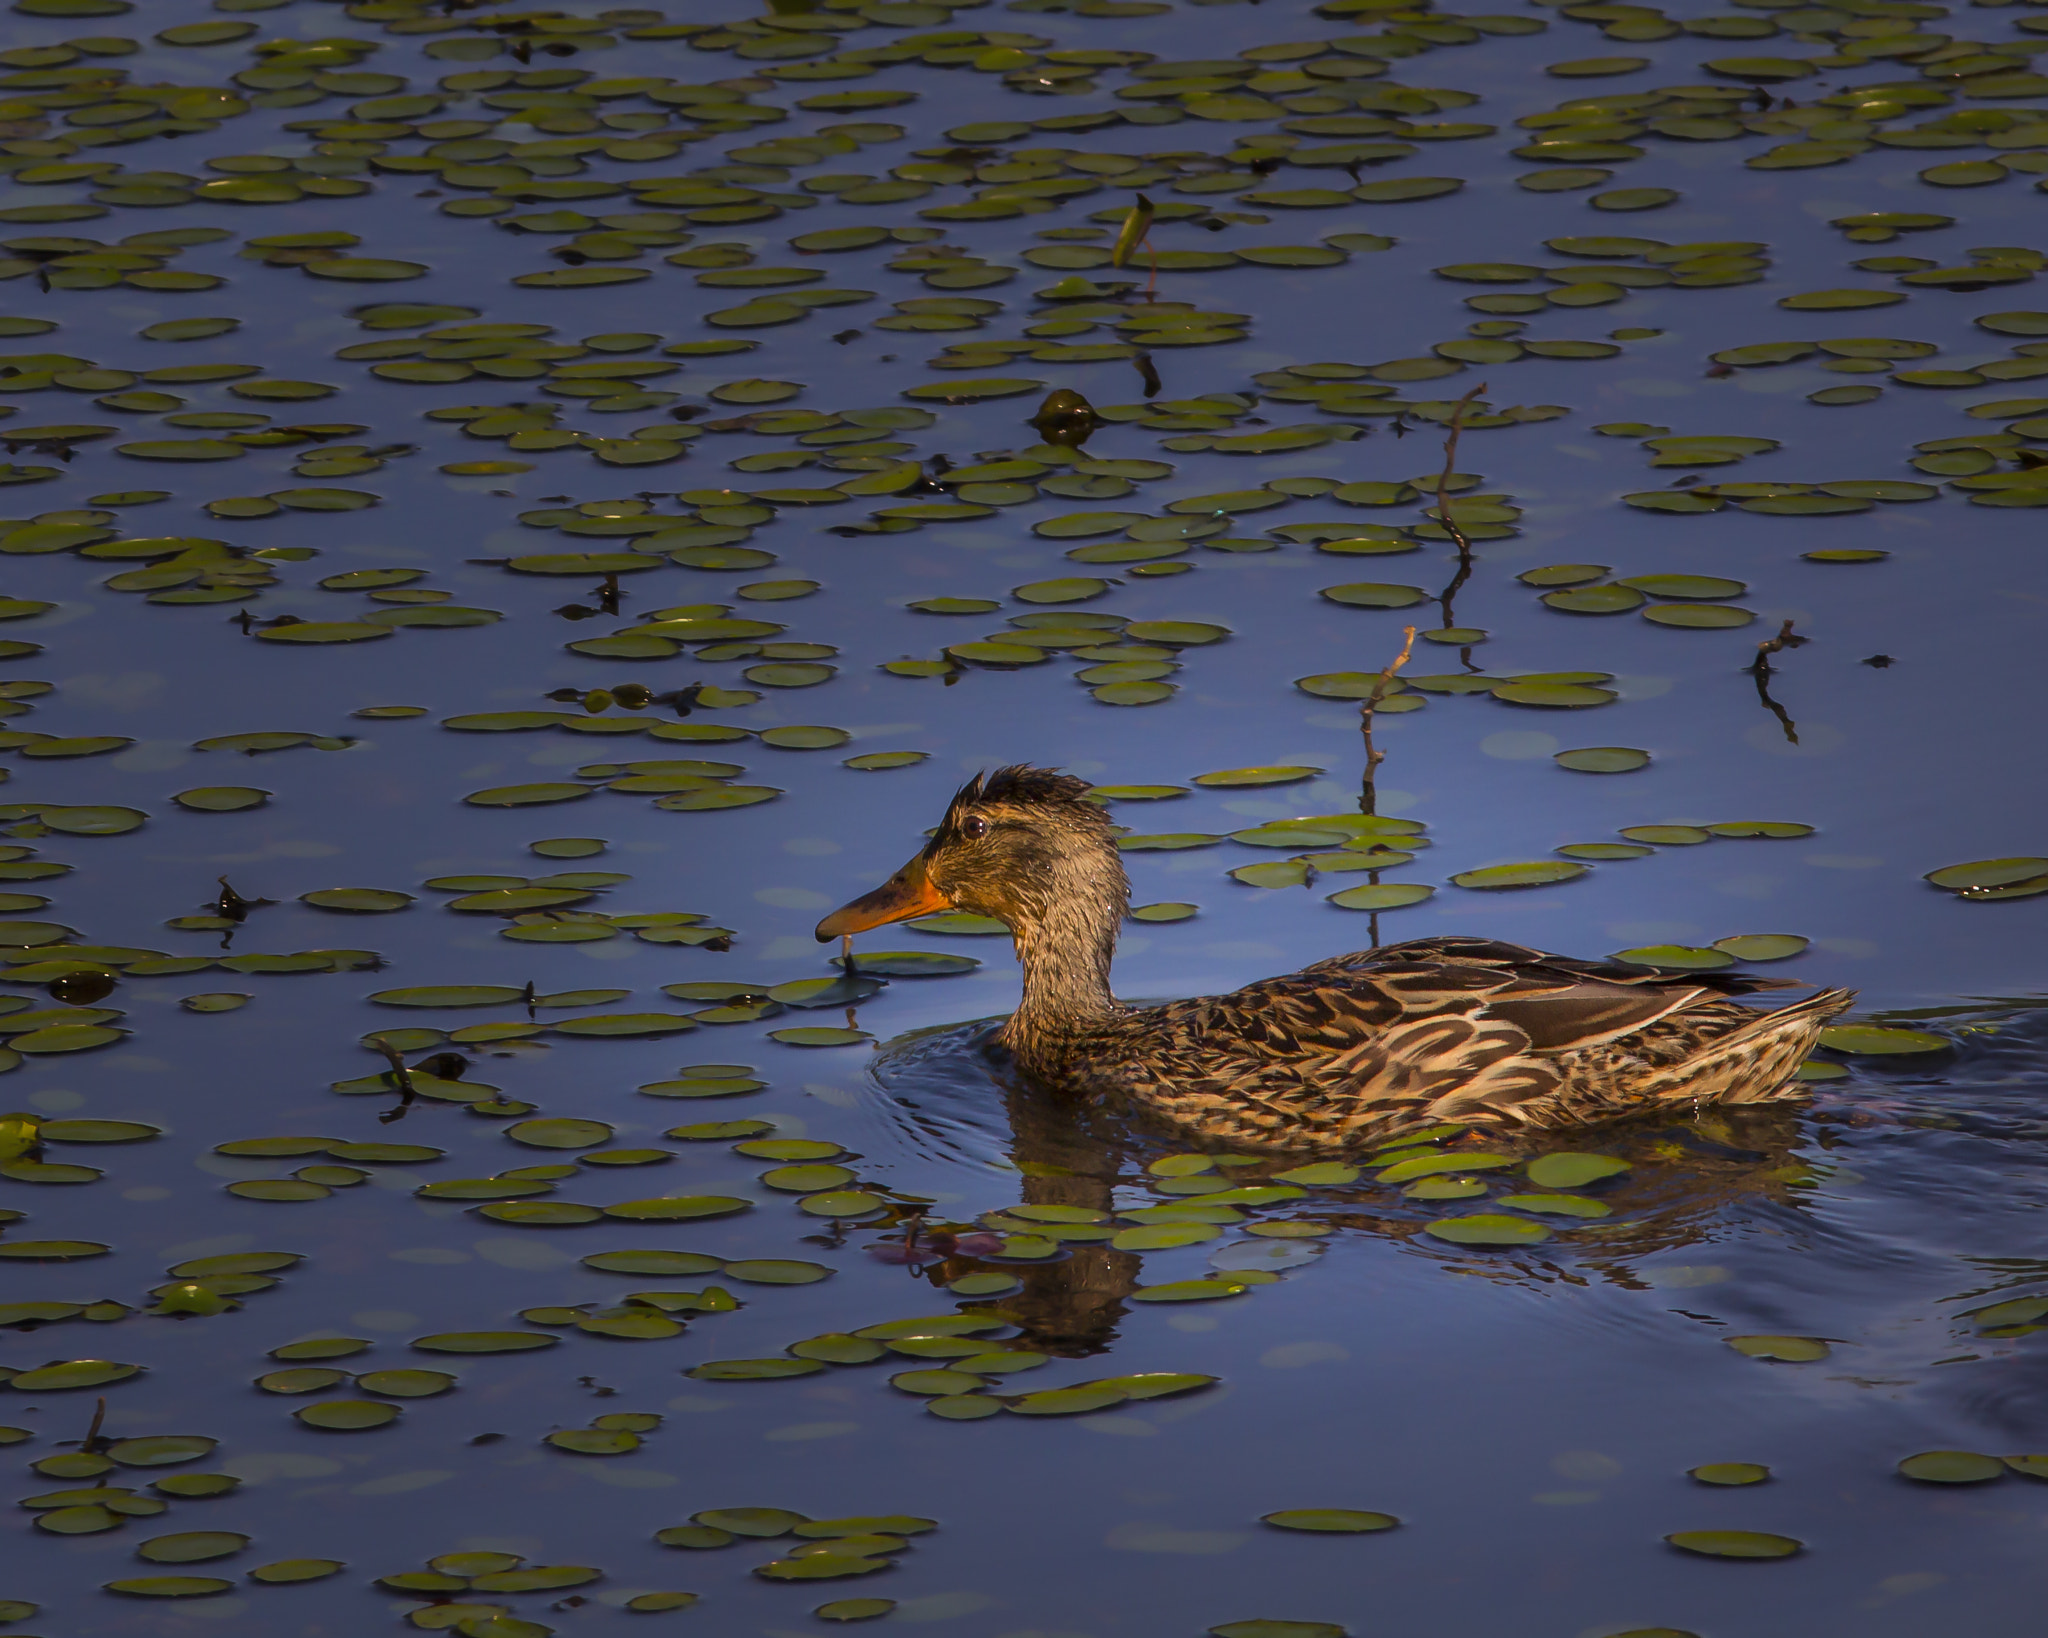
x=1022, y=844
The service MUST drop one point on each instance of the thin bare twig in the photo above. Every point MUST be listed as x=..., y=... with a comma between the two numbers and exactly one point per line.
x=1382, y=686
x=1443, y=482
x=407, y=1092
x=1762, y=671
x=1449, y=596
x=1761, y=666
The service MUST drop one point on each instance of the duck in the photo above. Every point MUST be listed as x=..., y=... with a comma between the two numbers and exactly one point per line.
x=1351, y=1051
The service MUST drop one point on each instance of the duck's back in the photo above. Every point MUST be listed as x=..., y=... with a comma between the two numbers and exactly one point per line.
x=1361, y=1047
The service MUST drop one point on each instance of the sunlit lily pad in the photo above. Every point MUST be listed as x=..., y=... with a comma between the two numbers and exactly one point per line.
x=1603, y=759
x=1952, y=1467
x=1276, y=775
x=753, y=1370
x=1487, y=1229
x=1876, y=1040
x=1786, y=1349
x=1330, y=1520
x=1735, y=1543
x=346, y=1415
x=1536, y=873
x=286, y=1571
x=1730, y=1473
x=1993, y=878
x=483, y=1342
x=191, y=1546
x=1381, y=896
x=221, y=798
x=169, y=1586
x=1762, y=946
x=1676, y=957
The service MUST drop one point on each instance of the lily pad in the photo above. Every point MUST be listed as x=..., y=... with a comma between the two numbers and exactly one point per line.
x=1952, y=1467
x=1735, y=1543
x=1877, y=1040
x=1603, y=759
x=1536, y=873
x=1786, y=1349
x=1487, y=1229
x=1330, y=1520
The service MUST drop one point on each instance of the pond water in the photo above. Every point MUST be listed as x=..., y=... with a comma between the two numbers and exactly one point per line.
x=371, y=701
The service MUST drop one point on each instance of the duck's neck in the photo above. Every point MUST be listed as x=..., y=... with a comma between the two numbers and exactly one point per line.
x=1065, y=951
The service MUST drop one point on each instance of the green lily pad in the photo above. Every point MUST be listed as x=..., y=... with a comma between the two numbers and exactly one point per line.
x=1536, y=873
x=1785, y=1349
x=1730, y=1473
x=1487, y=1229
x=1952, y=1467
x=1993, y=878
x=1603, y=759
x=1572, y=1170
x=169, y=1586
x=483, y=1342
x=1381, y=896
x=1735, y=1543
x=1873, y=1039
x=347, y=1415
x=1762, y=946
x=192, y=1546
x=1330, y=1520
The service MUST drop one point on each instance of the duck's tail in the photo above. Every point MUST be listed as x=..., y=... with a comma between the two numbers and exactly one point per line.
x=1752, y=1064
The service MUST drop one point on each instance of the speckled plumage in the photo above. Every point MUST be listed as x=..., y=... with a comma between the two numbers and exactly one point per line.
x=1351, y=1050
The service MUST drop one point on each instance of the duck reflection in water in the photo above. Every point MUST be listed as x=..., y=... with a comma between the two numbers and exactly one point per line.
x=1680, y=1182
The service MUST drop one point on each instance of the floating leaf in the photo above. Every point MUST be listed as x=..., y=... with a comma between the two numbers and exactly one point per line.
x=67, y=1375
x=1735, y=1543
x=286, y=1571
x=1487, y=1229
x=1603, y=759
x=1331, y=1520
x=483, y=1342
x=169, y=1586
x=1993, y=878
x=221, y=798
x=1383, y=896
x=1789, y=1350
x=1730, y=1473
x=1676, y=957
x=191, y=1546
x=1257, y=776
x=347, y=1415
x=1762, y=946
x=1572, y=1170
x=1952, y=1467
x=1876, y=1040
x=1537, y=873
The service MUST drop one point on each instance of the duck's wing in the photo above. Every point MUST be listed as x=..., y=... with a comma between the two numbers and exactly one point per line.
x=1311, y=1059
x=1438, y=1028
x=1521, y=963
x=1560, y=1002
x=1335, y=1047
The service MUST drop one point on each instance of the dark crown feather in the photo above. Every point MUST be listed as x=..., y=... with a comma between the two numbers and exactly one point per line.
x=1021, y=785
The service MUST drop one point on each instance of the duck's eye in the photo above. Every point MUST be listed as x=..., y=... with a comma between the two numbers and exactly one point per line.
x=974, y=827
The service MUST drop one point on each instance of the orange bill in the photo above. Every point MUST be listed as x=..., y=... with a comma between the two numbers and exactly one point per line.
x=907, y=893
